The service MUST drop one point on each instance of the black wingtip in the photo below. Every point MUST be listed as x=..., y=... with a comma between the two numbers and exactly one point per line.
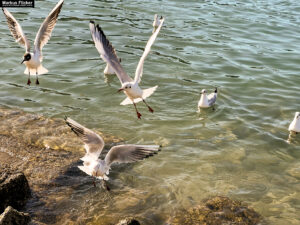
x=216, y=90
x=98, y=27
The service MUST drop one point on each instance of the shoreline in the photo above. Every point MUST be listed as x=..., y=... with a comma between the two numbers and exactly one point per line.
x=45, y=150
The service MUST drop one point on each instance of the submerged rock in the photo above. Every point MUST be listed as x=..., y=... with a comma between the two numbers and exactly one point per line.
x=218, y=211
x=39, y=131
x=14, y=190
x=13, y=217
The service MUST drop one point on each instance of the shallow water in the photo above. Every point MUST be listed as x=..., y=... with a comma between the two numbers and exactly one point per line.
x=248, y=49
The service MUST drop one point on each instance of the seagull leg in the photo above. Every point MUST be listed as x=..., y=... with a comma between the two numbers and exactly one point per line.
x=150, y=109
x=213, y=108
x=137, y=112
x=28, y=81
x=94, y=182
x=37, y=79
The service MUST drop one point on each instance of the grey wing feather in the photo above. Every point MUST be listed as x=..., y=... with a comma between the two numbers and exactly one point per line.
x=130, y=153
x=44, y=33
x=93, y=142
x=16, y=30
x=107, y=52
x=212, y=98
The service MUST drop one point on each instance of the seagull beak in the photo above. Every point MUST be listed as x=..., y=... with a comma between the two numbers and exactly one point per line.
x=22, y=61
x=121, y=89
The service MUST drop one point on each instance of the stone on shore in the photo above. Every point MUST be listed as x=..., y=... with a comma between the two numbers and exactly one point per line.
x=13, y=217
x=14, y=190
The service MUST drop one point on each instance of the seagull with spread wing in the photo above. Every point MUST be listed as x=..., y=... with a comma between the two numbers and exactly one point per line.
x=94, y=145
x=33, y=61
x=130, y=87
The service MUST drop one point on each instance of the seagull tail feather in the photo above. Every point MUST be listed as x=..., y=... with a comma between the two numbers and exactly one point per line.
x=146, y=93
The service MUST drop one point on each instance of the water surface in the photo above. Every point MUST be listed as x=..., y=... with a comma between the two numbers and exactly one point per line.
x=248, y=49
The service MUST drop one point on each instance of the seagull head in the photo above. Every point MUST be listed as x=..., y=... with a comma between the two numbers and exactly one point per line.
x=203, y=91
x=297, y=115
x=26, y=57
x=125, y=87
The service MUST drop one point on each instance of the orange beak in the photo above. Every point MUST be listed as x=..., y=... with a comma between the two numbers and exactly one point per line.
x=121, y=89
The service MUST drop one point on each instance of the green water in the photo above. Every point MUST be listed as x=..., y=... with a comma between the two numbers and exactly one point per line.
x=248, y=49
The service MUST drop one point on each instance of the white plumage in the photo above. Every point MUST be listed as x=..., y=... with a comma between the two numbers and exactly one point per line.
x=94, y=145
x=33, y=61
x=295, y=124
x=207, y=101
x=130, y=87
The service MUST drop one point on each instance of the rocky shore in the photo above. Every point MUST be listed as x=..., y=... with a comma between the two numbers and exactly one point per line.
x=35, y=152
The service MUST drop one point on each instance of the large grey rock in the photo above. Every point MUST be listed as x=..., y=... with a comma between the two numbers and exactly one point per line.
x=13, y=217
x=14, y=190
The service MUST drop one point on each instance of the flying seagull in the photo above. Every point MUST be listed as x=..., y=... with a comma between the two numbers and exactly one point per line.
x=130, y=87
x=94, y=145
x=33, y=61
x=207, y=101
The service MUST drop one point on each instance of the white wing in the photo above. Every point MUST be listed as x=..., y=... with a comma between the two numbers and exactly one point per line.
x=16, y=30
x=139, y=69
x=44, y=33
x=130, y=153
x=93, y=142
x=107, y=52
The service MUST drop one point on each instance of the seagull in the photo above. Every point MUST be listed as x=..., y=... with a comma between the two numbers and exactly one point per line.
x=33, y=60
x=156, y=23
x=130, y=87
x=207, y=101
x=295, y=124
x=94, y=145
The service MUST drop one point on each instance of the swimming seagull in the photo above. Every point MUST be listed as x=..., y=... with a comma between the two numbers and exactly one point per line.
x=207, y=101
x=294, y=127
x=156, y=22
x=94, y=145
x=33, y=60
x=130, y=87
x=295, y=124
